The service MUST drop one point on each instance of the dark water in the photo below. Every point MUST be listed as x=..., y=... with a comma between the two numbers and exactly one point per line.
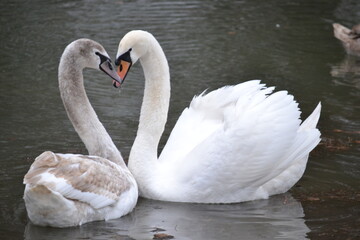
x=209, y=44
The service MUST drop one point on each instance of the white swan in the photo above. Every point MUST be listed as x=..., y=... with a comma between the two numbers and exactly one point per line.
x=234, y=144
x=65, y=190
x=349, y=38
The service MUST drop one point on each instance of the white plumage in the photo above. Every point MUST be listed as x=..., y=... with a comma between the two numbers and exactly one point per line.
x=234, y=144
x=227, y=149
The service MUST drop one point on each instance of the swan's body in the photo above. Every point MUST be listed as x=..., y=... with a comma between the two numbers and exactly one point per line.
x=65, y=190
x=349, y=38
x=234, y=144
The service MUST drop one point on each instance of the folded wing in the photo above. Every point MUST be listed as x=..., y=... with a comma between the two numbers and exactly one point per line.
x=89, y=179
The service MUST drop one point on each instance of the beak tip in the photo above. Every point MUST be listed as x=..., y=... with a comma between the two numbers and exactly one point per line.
x=116, y=84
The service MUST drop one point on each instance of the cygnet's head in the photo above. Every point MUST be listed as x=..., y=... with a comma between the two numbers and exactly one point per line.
x=87, y=53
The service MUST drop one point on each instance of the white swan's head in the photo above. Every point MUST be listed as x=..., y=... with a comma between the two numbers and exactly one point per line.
x=133, y=46
x=87, y=53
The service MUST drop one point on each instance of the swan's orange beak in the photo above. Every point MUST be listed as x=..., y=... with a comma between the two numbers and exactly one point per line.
x=123, y=64
x=122, y=70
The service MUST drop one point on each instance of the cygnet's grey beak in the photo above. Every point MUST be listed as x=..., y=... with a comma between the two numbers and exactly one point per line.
x=107, y=67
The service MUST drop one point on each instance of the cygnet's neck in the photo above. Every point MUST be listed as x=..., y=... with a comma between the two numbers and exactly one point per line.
x=80, y=111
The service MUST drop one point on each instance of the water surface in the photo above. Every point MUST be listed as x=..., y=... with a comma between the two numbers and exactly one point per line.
x=288, y=44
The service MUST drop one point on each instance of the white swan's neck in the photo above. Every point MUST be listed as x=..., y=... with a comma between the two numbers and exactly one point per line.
x=154, y=111
x=80, y=111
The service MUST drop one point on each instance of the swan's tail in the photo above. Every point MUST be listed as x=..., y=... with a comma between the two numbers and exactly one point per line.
x=312, y=120
x=307, y=139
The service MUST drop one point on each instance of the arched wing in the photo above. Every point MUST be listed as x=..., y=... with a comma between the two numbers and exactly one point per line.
x=236, y=137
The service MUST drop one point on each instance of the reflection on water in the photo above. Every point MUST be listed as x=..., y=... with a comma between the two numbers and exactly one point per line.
x=347, y=73
x=279, y=217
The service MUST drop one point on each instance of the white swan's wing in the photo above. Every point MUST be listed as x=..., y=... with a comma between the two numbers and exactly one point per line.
x=236, y=137
x=203, y=117
x=90, y=179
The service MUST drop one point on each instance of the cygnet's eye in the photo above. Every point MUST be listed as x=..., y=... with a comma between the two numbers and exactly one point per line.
x=102, y=58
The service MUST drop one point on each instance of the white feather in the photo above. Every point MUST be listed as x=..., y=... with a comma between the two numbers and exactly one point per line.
x=234, y=144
